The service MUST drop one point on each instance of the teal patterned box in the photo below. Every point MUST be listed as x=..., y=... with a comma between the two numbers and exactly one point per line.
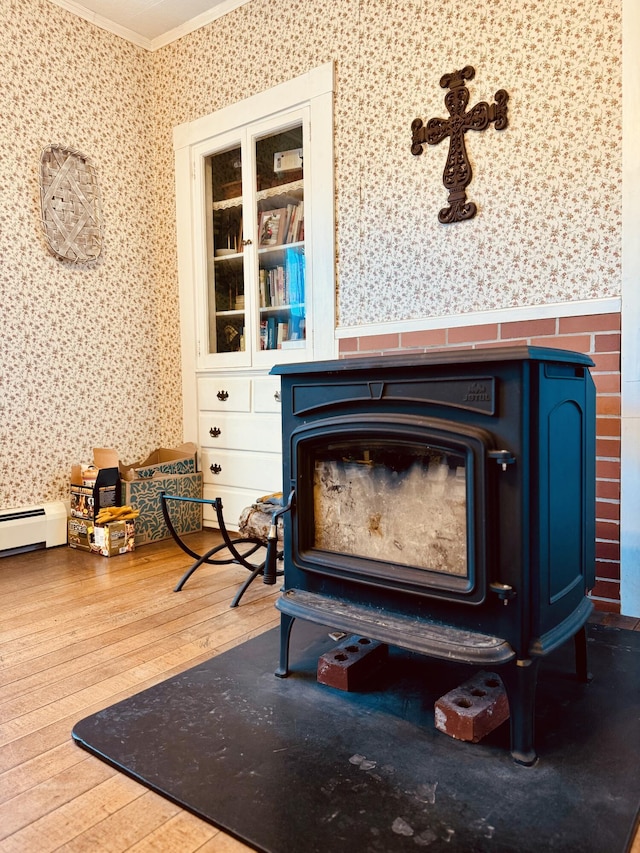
x=163, y=460
x=144, y=495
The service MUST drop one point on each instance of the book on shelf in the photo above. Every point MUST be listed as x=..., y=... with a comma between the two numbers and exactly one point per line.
x=272, y=287
x=282, y=284
x=263, y=288
x=295, y=280
x=296, y=213
x=279, y=286
x=276, y=334
x=298, y=226
x=282, y=334
x=291, y=212
x=272, y=333
x=271, y=290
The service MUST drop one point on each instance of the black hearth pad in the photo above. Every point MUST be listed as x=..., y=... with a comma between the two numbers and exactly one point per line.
x=291, y=766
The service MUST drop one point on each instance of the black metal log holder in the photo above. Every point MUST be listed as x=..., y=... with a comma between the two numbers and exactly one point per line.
x=228, y=544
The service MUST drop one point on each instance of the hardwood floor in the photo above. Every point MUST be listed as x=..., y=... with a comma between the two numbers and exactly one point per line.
x=80, y=632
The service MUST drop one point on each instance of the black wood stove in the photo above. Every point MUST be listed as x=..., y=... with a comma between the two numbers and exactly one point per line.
x=444, y=503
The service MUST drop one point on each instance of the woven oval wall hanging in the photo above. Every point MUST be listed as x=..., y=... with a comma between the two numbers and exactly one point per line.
x=70, y=200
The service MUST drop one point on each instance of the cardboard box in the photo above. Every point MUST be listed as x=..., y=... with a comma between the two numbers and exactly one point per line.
x=113, y=538
x=86, y=501
x=144, y=495
x=79, y=532
x=179, y=460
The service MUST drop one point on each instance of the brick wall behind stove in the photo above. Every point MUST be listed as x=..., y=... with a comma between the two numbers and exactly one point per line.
x=599, y=337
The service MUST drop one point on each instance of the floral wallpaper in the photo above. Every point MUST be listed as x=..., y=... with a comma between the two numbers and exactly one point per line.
x=548, y=188
x=90, y=353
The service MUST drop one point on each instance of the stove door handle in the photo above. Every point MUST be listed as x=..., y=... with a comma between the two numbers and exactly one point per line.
x=502, y=457
x=503, y=590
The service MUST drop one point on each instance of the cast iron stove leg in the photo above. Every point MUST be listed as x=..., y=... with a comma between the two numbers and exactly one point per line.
x=520, y=679
x=582, y=666
x=286, y=623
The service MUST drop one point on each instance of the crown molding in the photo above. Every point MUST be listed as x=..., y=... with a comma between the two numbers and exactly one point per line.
x=222, y=8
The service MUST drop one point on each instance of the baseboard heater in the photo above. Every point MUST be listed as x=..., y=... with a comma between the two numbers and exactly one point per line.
x=31, y=527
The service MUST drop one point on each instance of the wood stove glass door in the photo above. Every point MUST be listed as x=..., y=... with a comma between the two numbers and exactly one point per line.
x=405, y=503
x=391, y=500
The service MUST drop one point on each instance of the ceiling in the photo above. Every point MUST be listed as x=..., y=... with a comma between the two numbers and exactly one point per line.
x=150, y=23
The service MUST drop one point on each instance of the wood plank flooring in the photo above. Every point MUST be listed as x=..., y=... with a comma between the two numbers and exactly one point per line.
x=79, y=632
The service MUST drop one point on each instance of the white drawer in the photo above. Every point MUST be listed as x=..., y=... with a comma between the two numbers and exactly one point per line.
x=259, y=471
x=222, y=394
x=266, y=394
x=233, y=502
x=240, y=432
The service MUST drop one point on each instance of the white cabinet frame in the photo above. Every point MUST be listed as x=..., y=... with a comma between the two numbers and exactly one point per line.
x=311, y=93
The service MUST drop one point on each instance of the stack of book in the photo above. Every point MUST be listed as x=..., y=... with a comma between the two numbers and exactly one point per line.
x=283, y=284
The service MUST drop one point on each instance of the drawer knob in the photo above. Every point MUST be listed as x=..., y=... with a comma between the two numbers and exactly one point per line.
x=214, y=432
x=222, y=395
x=215, y=468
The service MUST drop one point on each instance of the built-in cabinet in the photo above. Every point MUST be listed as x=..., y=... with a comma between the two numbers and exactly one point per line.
x=254, y=189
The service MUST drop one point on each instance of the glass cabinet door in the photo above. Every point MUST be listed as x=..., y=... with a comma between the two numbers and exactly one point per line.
x=281, y=297
x=256, y=276
x=261, y=240
x=226, y=268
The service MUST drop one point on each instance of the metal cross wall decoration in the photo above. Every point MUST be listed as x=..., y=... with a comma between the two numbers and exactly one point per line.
x=457, y=171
